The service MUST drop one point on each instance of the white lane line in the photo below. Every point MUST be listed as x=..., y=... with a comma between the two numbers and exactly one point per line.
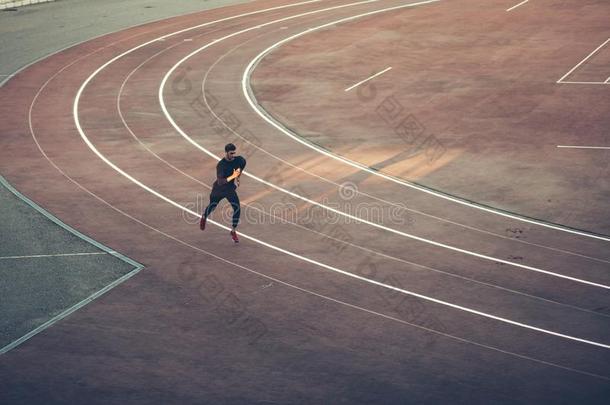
x=583, y=61
x=517, y=5
x=53, y=255
x=570, y=82
x=368, y=78
x=358, y=219
x=583, y=147
x=284, y=251
x=263, y=114
x=301, y=227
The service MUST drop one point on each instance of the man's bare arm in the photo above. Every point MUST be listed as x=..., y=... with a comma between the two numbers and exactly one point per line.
x=236, y=173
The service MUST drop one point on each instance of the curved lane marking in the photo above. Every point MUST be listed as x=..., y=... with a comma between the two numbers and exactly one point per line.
x=336, y=211
x=356, y=246
x=284, y=251
x=517, y=5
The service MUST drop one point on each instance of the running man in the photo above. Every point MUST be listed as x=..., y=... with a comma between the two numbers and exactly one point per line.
x=228, y=171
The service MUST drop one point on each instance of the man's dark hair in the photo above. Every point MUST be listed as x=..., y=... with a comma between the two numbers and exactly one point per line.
x=229, y=147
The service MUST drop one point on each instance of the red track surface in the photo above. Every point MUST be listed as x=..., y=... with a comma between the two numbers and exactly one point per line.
x=189, y=324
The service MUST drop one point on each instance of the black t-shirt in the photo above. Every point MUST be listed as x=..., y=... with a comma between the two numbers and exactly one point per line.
x=225, y=168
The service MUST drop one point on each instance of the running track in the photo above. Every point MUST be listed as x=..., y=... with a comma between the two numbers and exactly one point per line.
x=116, y=138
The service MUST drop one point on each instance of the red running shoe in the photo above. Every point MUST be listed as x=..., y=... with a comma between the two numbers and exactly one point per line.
x=234, y=236
x=202, y=223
